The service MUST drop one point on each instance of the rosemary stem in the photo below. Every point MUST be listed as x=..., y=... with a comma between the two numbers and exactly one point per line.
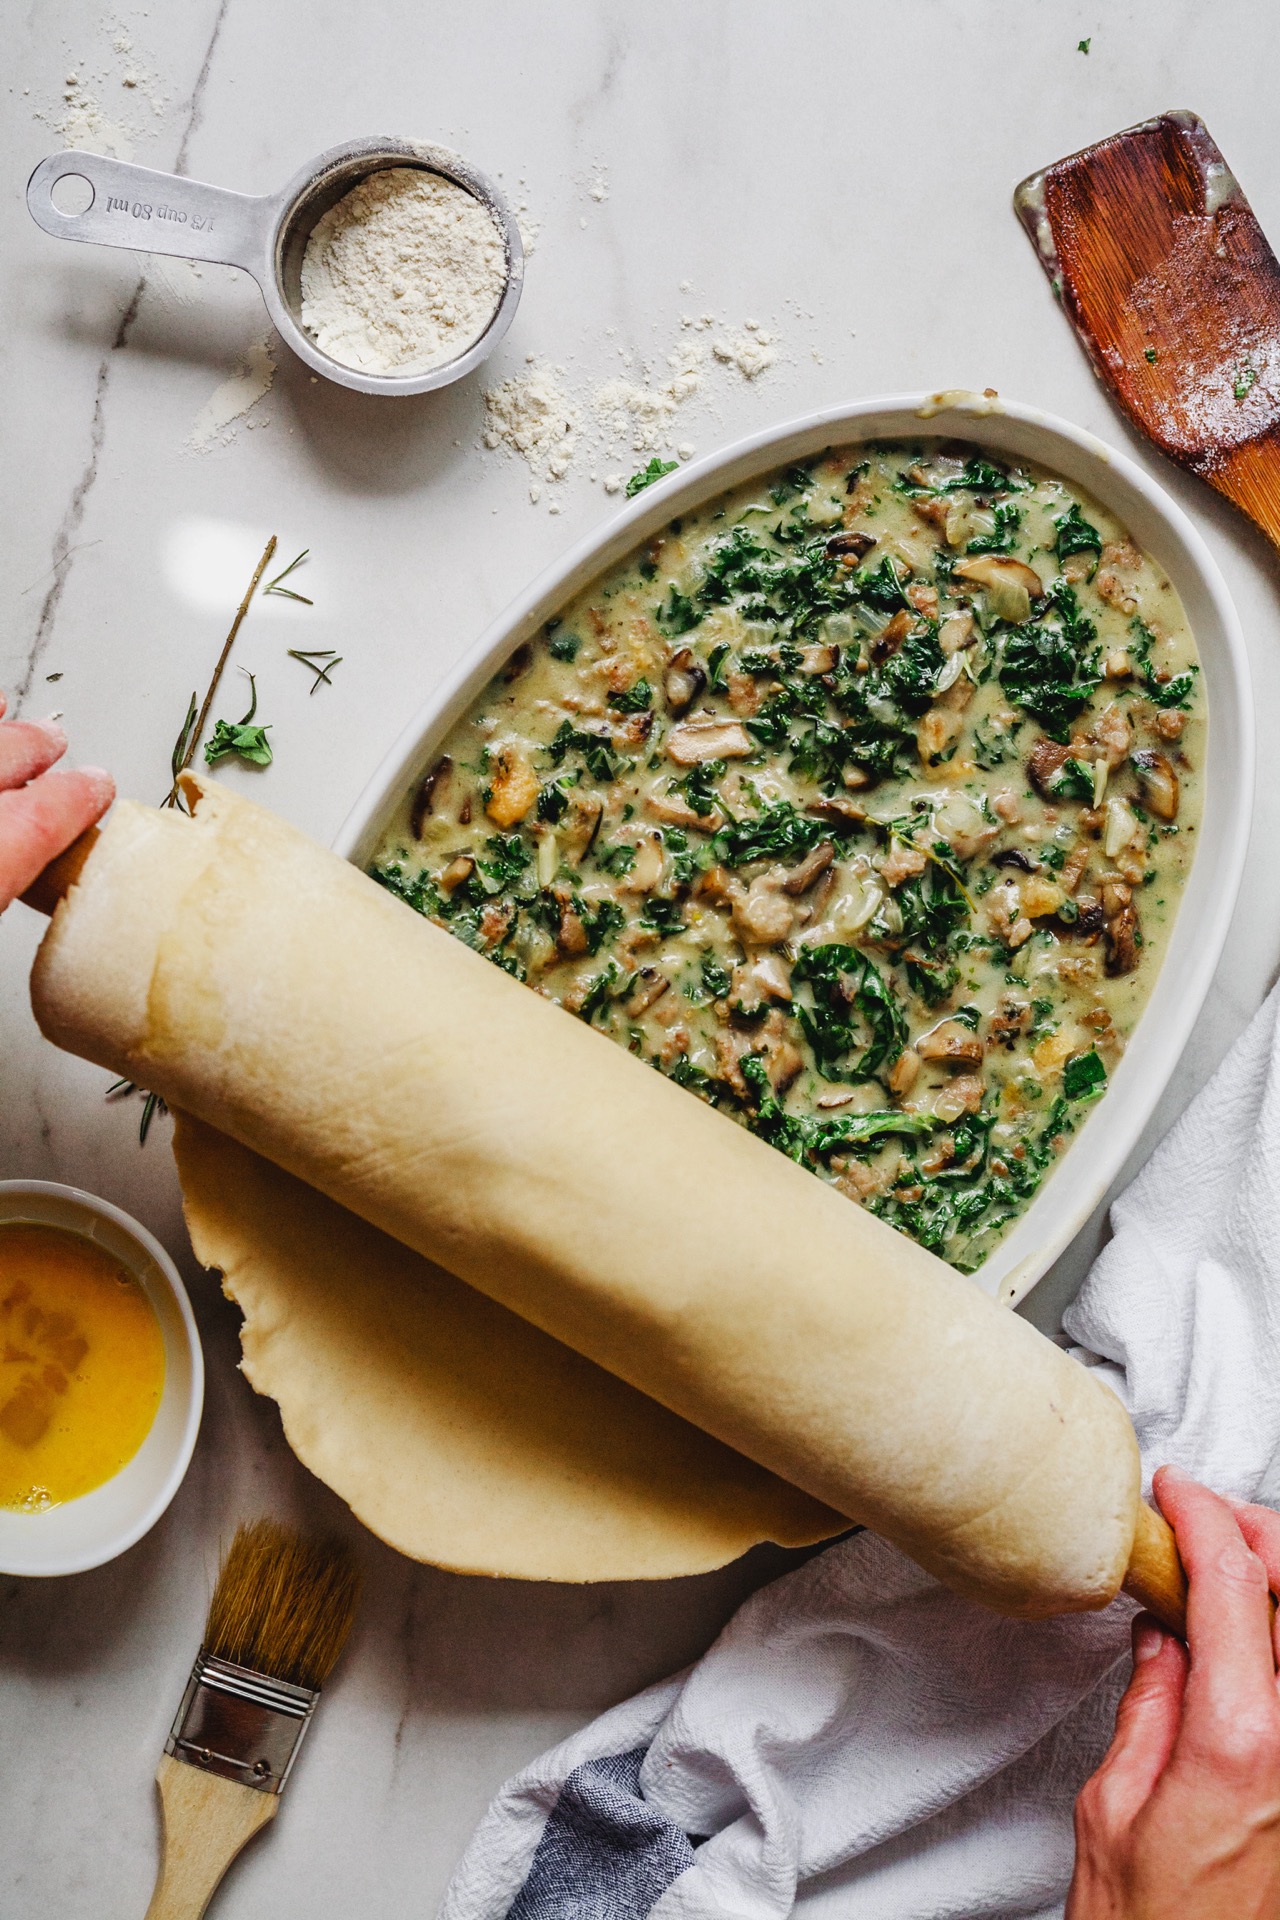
x=229, y=642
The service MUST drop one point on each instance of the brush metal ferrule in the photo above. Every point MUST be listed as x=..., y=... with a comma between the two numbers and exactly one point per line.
x=239, y=1724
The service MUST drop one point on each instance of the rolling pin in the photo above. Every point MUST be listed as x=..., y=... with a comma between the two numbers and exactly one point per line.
x=224, y=961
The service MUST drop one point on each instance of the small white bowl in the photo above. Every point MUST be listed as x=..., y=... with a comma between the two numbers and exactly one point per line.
x=1066, y=1201
x=100, y=1525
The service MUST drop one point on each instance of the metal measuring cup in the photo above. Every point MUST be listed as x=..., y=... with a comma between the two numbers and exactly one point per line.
x=266, y=235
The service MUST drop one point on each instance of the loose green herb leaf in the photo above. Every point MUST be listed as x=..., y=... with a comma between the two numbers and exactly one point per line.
x=241, y=737
x=287, y=593
x=1245, y=378
x=1083, y=46
x=152, y=1104
x=1149, y=355
x=656, y=470
x=321, y=663
x=189, y=738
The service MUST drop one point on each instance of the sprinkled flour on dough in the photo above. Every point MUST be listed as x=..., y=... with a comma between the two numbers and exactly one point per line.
x=403, y=274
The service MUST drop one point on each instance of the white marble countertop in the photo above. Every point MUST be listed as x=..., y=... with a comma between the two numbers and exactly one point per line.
x=840, y=174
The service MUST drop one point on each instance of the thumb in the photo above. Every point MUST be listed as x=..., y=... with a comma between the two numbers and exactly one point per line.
x=1147, y=1719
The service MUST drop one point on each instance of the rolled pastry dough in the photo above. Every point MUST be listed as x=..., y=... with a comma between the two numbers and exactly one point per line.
x=456, y=1431
x=280, y=995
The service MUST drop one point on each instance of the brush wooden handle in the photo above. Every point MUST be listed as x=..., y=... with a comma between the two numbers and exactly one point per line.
x=206, y=1822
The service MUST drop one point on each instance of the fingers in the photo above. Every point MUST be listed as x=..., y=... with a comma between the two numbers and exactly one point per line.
x=1261, y=1529
x=1231, y=1685
x=1147, y=1722
x=38, y=821
x=27, y=748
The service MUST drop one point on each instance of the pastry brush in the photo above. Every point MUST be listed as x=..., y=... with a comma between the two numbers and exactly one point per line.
x=279, y=1618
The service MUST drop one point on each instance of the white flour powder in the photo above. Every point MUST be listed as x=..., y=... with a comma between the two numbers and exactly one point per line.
x=403, y=274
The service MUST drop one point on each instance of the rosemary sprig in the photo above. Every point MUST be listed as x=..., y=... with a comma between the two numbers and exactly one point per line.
x=188, y=740
x=321, y=661
x=152, y=1104
x=287, y=593
x=241, y=736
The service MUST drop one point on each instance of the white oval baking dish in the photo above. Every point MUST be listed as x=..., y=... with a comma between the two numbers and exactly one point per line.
x=1157, y=524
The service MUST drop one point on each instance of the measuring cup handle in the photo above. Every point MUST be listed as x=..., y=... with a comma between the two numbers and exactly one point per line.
x=154, y=212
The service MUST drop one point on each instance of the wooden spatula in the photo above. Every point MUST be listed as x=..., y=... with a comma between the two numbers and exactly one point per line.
x=1172, y=287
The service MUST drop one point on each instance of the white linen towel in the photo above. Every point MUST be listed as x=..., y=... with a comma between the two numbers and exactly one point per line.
x=860, y=1743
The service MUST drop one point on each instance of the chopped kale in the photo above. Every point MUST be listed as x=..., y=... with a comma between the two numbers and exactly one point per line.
x=1174, y=692
x=803, y=1137
x=715, y=978
x=617, y=860
x=779, y=833
x=854, y=1011
x=1084, y=1076
x=597, y=750
x=1075, y=535
x=664, y=916
x=1001, y=539
x=1043, y=669
x=678, y=614
x=637, y=699
x=561, y=645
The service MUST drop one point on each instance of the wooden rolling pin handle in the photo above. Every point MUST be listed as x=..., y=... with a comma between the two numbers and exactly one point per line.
x=206, y=1822
x=1155, y=1578
x=58, y=878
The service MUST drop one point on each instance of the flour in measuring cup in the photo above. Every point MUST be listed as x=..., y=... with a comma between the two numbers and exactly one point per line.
x=403, y=274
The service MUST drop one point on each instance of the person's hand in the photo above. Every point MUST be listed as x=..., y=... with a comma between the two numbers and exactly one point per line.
x=1182, y=1819
x=43, y=808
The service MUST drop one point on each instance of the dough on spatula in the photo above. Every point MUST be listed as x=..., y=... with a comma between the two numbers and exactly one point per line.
x=456, y=1431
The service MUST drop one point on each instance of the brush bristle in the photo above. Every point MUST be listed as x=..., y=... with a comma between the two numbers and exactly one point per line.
x=283, y=1604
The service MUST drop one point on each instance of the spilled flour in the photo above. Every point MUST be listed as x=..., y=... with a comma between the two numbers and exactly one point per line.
x=536, y=415
x=100, y=108
x=216, y=421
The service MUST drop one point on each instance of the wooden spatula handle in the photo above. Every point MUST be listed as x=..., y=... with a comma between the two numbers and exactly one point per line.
x=1155, y=1577
x=206, y=1822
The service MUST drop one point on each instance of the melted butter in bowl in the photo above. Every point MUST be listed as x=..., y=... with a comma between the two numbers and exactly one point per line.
x=82, y=1366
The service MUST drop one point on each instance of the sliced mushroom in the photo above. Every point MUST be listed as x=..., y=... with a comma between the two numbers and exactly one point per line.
x=580, y=825
x=459, y=869
x=851, y=547
x=904, y=1072
x=647, y=871
x=424, y=797
x=675, y=812
x=891, y=637
x=682, y=682
x=1122, y=940
x=697, y=740
x=649, y=987
x=957, y=632
x=951, y=1044
x=844, y=813
x=801, y=878
x=743, y=693
x=1010, y=585
x=1159, y=782
x=1013, y=857
x=513, y=789
x=1044, y=762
